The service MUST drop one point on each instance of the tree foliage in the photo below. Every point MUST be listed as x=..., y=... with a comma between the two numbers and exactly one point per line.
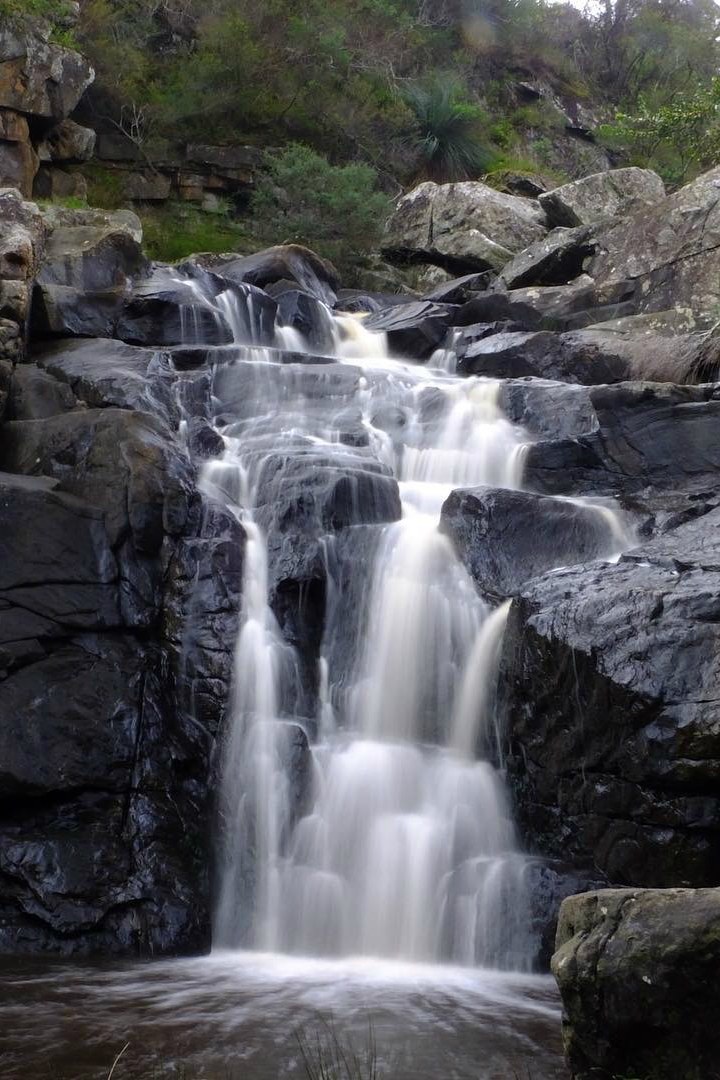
x=411, y=87
x=677, y=138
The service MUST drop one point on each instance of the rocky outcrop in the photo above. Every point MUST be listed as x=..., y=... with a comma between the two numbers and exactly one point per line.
x=637, y=971
x=610, y=684
x=40, y=85
x=610, y=194
x=666, y=254
x=462, y=227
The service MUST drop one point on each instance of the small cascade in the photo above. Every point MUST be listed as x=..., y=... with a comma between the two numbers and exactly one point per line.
x=401, y=843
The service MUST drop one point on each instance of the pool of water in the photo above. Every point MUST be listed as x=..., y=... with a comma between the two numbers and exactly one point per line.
x=244, y=1016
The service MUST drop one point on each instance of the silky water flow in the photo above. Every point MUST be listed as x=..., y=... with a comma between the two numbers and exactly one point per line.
x=400, y=844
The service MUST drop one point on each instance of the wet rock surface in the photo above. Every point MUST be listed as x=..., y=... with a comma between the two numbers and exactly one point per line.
x=504, y=538
x=609, y=686
x=637, y=974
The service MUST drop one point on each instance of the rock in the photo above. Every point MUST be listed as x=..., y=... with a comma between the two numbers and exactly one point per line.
x=647, y=435
x=89, y=256
x=549, y=410
x=414, y=330
x=165, y=310
x=504, y=538
x=549, y=882
x=608, y=688
x=543, y=354
x=458, y=290
x=63, y=311
x=109, y=220
x=35, y=395
x=637, y=975
x=22, y=237
x=556, y=259
x=288, y=262
x=68, y=142
x=309, y=317
x=670, y=251
x=109, y=373
x=54, y=183
x=461, y=227
x=610, y=194
x=18, y=166
x=235, y=158
x=11, y=341
x=147, y=187
x=40, y=78
x=14, y=127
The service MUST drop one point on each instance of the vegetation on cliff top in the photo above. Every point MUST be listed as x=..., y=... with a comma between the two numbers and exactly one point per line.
x=353, y=79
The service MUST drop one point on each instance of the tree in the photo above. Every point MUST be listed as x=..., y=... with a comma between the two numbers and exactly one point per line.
x=679, y=138
x=335, y=209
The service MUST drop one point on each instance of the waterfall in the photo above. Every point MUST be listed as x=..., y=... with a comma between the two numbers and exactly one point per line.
x=400, y=843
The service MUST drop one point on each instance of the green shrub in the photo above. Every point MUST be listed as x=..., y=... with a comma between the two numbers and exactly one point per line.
x=336, y=210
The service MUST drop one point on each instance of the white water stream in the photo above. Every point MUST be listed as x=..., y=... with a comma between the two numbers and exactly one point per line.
x=404, y=847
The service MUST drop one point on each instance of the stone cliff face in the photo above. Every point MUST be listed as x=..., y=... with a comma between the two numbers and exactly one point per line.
x=110, y=704
x=41, y=83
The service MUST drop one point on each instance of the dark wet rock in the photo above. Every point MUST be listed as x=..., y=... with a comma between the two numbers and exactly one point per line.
x=413, y=330
x=637, y=971
x=103, y=831
x=309, y=317
x=556, y=259
x=101, y=372
x=155, y=320
x=66, y=311
x=648, y=435
x=203, y=440
x=36, y=395
x=504, y=537
x=311, y=492
x=461, y=227
x=287, y=262
x=548, y=410
x=458, y=290
x=488, y=307
x=609, y=684
x=549, y=882
x=610, y=194
x=579, y=357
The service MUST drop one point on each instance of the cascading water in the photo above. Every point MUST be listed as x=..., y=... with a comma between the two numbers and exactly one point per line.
x=400, y=843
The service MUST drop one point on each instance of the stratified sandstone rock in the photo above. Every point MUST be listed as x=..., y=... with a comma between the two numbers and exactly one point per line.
x=611, y=194
x=463, y=227
x=637, y=971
